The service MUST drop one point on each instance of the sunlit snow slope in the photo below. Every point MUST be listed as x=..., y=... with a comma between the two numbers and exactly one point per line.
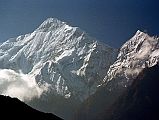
x=139, y=52
x=54, y=58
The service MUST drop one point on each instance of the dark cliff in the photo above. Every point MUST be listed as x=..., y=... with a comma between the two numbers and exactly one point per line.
x=12, y=108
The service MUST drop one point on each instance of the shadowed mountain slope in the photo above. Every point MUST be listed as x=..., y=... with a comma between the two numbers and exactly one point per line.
x=137, y=102
x=15, y=109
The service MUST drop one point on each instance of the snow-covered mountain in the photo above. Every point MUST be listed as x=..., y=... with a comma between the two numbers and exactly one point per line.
x=61, y=59
x=138, y=102
x=139, y=52
x=57, y=67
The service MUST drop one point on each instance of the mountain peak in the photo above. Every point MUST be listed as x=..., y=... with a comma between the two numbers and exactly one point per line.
x=136, y=40
x=140, y=33
x=139, y=52
x=52, y=20
x=50, y=24
x=66, y=58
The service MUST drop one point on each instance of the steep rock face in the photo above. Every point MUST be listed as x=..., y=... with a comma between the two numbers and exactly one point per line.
x=139, y=52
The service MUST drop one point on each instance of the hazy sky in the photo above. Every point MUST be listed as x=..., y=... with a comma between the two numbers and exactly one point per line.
x=111, y=21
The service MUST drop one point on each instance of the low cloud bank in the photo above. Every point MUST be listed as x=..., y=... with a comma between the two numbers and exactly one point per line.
x=21, y=86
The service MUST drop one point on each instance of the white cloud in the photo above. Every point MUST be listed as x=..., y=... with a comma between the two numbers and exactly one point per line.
x=130, y=73
x=21, y=86
x=144, y=51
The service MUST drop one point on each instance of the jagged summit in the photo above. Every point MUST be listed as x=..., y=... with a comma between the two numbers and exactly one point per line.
x=50, y=24
x=139, y=32
x=53, y=20
x=139, y=36
x=137, y=53
x=54, y=24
